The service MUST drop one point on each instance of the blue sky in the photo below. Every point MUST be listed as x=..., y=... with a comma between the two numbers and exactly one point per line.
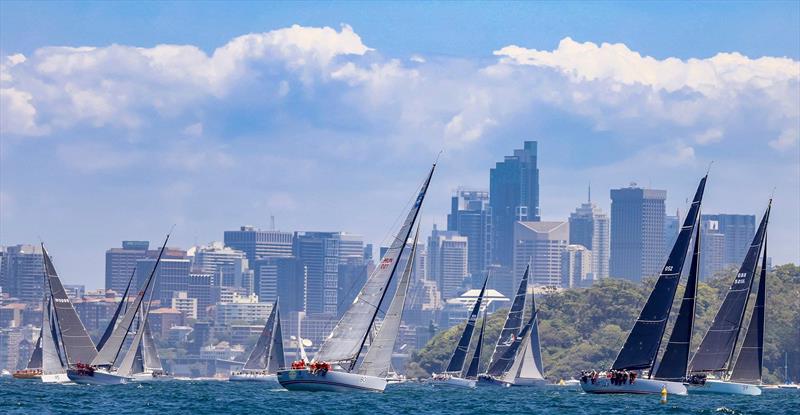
x=119, y=119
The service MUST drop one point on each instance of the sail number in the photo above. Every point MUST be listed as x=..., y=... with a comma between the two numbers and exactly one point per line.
x=740, y=278
x=386, y=262
x=668, y=268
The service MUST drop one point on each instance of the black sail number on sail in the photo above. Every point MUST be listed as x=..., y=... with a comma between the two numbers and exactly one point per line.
x=644, y=339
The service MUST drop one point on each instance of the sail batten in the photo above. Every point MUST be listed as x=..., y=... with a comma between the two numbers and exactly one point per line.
x=644, y=339
x=716, y=349
x=348, y=337
x=511, y=328
x=749, y=363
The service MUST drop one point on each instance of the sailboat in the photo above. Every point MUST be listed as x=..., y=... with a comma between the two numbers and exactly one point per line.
x=103, y=368
x=267, y=355
x=641, y=347
x=378, y=360
x=787, y=382
x=715, y=353
x=456, y=374
x=33, y=370
x=517, y=357
x=148, y=366
x=334, y=364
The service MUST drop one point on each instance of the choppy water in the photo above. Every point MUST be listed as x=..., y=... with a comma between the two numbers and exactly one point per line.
x=24, y=397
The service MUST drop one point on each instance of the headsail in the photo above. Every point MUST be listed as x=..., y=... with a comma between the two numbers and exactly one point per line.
x=108, y=354
x=35, y=362
x=348, y=337
x=457, y=360
x=517, y=348
x=527, y=370
x=113, y=322
x=258, y=357
x=472, y=371
x=644, y=339
x=379, y=356
x=51, y=358
x=716, y=349
x=511, y=328
x=151, y=359
x=751, y=356
x=675, y=361
x=276, y=358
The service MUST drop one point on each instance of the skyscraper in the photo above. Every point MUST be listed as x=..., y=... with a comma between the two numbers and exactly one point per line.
x=576, y=267
x=230, y=266
x=22, y=272
x=120, y=263
x=282, y=278
x=448, y=256
x=513, y=196
x=712, y=249
x=256, y=243
x=321, y=253
x=540, y=244
x=171, y=275
x=470, y=216
x=738, y=231
x=589, y=227
x=637, y=232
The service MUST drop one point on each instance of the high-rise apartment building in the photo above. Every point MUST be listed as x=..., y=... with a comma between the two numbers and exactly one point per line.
x=256, y=243
x=738, y=231
x=120, y=263
x=513, y=196
x=22, y=272
x=448, y=258
x=576, y=267
x=589, y=227
x=230, y=266
x=637, y=232
x=540, y=244
x=321, y=253
x=470, y=216
x=282, y=278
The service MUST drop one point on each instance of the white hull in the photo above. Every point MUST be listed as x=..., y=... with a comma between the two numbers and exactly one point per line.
x=789, y=386
x=724, y=387
x=485, y=380
x=270, y=379
x=147, y=377
x=56, y=378
x=98, y=377
x=639, y=387
x=453, y=381
x=331, y=381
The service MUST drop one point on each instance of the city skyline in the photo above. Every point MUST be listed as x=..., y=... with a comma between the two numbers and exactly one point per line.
x=278, y=137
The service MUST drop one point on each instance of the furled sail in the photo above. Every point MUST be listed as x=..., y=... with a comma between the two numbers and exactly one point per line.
x=716, y=349
x=379, y=356
x=78, y=346
x=113, y=322
x=644, y=339
x=108, y=354
x=459, y=355
x=151, y=359
x=35, y=362
x=511, y=328
x=675, y=361
x=258, y=357
x=348, y=337
x=748, y=365
x=472, y=371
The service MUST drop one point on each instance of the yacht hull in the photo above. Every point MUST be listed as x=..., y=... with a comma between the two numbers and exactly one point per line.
x=455, y=382
x=98, y=377
x=526, y=382
x=638, y=387
x=148, y=377
x=55, y=378
x=27, y=374
x=331, y=381
x=269, y=379
x=724, y=387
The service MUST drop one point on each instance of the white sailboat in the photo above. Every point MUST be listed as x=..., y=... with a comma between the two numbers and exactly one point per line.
x=148, y=367
x=787, y=383
x=267, y=356
x=715, y=354
x=333, y=367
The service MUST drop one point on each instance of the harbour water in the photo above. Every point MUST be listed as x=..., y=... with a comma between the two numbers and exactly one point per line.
x=214, y=397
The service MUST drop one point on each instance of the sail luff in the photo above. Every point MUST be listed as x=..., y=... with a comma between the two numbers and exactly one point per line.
x=748, y=365
x=348, y=337
x=113, y=322
x=379, y=356
x=110, y=351
x=456, y=364
x=511, y=328
x=644, y=339
x=78, y=345
x=472, y=371
x=716, y=349
x=674, y=364
x=260, y=353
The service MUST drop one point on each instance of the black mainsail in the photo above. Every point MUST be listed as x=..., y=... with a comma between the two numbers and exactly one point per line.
x=675, y=361
x=78, y=345
x=472, y=370
x=644, y=339
x=716, y=349
x=511, y=328
x=459, y=355
x=749, y=363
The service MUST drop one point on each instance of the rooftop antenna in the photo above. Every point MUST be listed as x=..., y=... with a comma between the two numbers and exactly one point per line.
x=272, y=222
x=590, y=192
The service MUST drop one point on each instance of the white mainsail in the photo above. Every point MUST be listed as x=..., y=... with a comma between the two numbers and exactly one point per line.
x=348, y=337
x=51, y=359
x=378, y=359
x=151, y=359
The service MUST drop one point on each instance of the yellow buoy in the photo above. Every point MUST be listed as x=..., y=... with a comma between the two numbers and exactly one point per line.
x=663, y=394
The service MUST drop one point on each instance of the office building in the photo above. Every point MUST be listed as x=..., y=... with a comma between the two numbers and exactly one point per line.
x=21, y=272
x=589, y=227
x=242, y=310
x=256, y=243
x=576, y=267
x=739, y=231
x=186, y=305
x=540, y=244
x=121, y=262
x=172, y=273
x=513, y=196
x=637, y=232
x=321, y=253
x=448, y=258
x=281, y=278
x=470, y=216
x=712, y=249
x=230, y=266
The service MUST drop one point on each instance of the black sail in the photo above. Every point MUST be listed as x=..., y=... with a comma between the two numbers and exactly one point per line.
x=260, y=354
x=748, y=365
x=35, y=362
x=535, y=346
x=641, y=346
x=676, y=358
x=113, y=322
x=472, y=371
x=511, y=327
x=716, y=349
x=460, y=354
